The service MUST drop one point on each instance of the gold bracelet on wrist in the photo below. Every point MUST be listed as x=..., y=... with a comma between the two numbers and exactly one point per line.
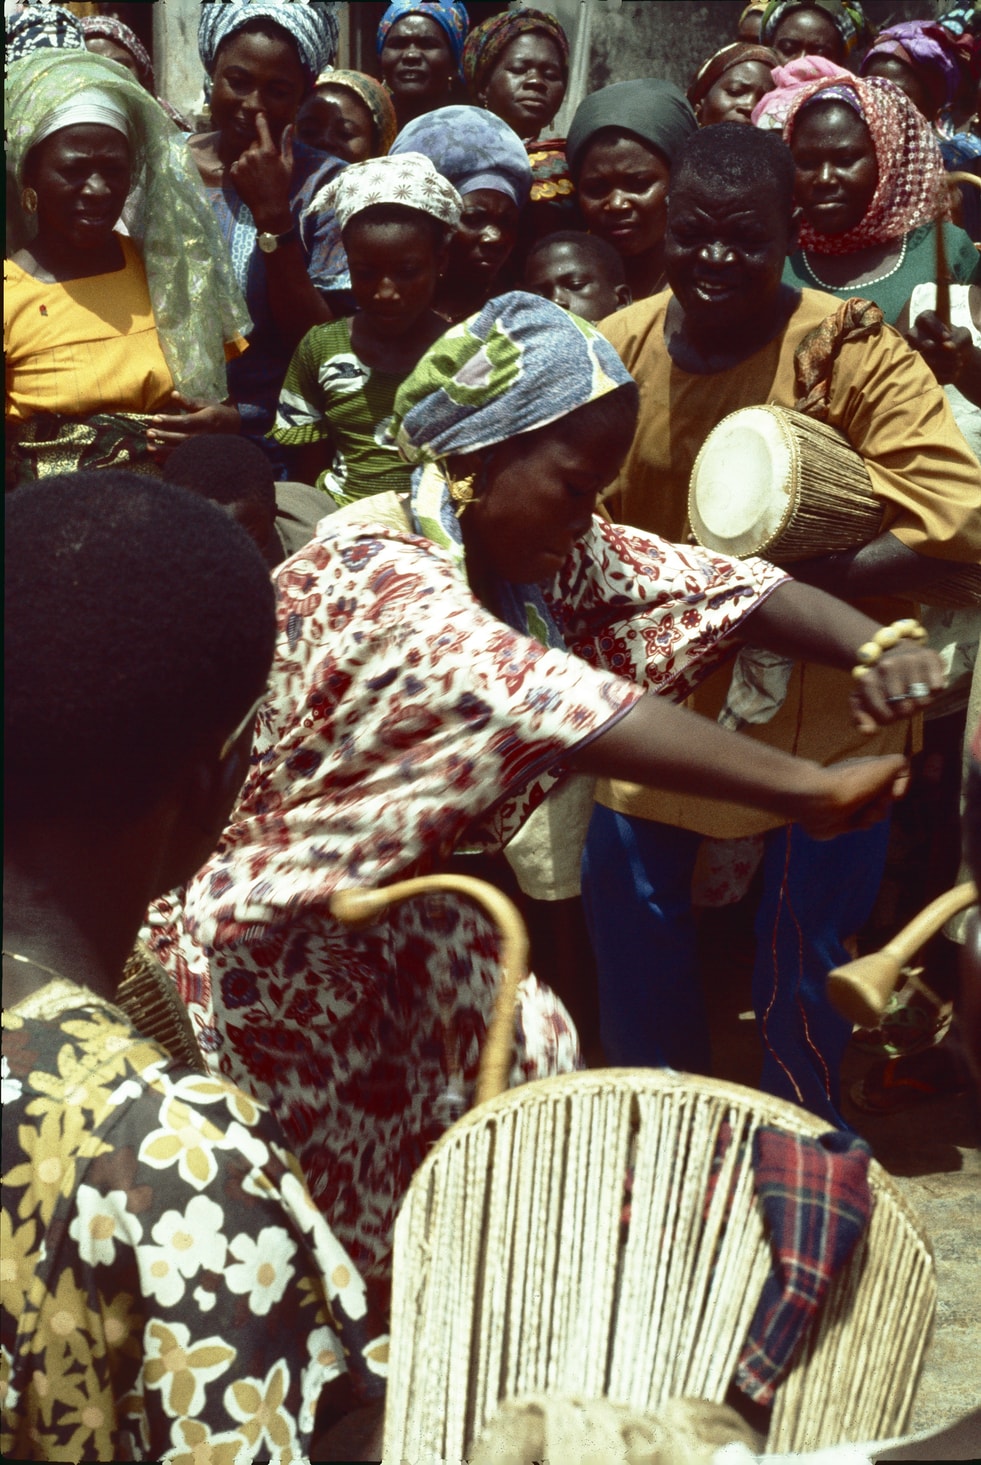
x=870, y=654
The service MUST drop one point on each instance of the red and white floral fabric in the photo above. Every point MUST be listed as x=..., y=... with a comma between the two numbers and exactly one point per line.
x=403, y=716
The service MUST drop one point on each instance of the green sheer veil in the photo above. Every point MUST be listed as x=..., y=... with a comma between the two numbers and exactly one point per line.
x=196, y=302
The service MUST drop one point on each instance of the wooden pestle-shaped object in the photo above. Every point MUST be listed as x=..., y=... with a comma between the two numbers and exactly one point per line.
x=943, y=274
x=861, y=988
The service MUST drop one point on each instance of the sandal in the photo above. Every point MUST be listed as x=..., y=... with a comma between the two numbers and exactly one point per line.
x=903, y=1083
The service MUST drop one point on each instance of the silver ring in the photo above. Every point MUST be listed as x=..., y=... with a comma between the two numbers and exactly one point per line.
x=914, y=693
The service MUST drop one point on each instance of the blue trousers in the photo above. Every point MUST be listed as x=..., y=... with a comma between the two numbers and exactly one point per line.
x=637, y=897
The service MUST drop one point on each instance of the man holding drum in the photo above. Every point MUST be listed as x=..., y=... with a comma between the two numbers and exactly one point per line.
x=729, y=335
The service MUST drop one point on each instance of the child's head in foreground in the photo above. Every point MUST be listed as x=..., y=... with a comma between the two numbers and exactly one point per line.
x=580, y=272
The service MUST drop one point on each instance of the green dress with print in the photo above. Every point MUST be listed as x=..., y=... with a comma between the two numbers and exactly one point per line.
x=330, y=396
x=918, y=266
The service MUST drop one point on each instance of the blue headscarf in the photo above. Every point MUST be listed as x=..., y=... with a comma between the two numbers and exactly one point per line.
x=472, y=149
x=962, y=19
x=41, y=28
x=311, y=23
x=451, y=15
x=519, y=364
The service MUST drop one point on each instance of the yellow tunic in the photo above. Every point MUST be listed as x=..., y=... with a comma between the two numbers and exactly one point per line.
x=888, y=404
x=84, y=346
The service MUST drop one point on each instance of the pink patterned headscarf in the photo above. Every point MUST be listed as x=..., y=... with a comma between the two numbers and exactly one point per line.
x=912, y=186
x=771, y=111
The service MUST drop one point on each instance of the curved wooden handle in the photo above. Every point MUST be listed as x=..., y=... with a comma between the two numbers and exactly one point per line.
x=363, y=907
x=943, y=274
x=861, y=989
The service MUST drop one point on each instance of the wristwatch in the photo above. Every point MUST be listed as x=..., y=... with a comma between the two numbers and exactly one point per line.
x=269, y=243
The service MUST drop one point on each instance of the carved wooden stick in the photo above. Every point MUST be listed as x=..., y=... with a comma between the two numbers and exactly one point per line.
x=943, y=274
x=861, y=989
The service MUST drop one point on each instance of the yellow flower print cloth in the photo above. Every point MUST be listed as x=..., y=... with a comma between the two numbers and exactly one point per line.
x=168, y=1287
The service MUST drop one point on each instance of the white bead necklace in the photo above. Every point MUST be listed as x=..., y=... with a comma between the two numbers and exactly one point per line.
x=863, y=284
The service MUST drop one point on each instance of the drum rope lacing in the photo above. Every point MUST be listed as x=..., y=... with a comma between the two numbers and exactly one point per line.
x=860, y=284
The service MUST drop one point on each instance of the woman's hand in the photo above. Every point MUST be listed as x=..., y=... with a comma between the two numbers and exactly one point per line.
x=166, y=430
x=263, y=175
x=852, y=795
x=906, y=679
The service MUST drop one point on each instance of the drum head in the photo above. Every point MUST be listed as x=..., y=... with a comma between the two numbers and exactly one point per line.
x=744, y=484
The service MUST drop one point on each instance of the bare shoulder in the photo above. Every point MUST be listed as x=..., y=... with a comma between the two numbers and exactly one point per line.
x=203, y=147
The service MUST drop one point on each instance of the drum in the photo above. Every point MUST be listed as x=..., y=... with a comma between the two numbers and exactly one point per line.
x=774, y=482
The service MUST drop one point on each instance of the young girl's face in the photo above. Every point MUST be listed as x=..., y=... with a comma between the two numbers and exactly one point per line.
x=395, y=268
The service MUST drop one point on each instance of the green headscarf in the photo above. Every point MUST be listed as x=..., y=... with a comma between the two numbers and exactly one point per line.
x=188, y=267
x=520, y=363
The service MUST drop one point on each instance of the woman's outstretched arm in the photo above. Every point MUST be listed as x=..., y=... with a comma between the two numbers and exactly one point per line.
x=669, y=747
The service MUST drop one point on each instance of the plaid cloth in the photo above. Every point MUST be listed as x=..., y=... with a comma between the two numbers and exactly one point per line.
x=816, y=1203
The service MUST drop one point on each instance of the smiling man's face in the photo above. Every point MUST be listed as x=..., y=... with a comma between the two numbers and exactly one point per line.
x=724, y=252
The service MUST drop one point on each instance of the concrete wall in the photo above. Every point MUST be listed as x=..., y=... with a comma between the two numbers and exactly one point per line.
x=672, y=38
x=179, y=73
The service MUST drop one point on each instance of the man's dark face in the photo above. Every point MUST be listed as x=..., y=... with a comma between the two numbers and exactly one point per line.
x=724, y=253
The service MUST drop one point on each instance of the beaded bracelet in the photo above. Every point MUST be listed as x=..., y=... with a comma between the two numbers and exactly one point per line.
x=884, y=639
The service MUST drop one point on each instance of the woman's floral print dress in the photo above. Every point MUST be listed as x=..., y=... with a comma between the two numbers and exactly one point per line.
x=403, y=717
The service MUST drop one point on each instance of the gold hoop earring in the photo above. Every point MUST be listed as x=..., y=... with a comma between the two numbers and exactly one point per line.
x=461, y=492
x=28, y=201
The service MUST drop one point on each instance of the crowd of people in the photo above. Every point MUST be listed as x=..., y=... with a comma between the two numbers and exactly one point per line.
x=350, y=432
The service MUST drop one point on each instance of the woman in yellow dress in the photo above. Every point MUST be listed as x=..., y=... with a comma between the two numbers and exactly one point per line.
x=115, y=336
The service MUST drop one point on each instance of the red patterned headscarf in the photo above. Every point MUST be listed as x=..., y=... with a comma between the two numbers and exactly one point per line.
x=107, y=27
x=374, y=96
x=912, y=188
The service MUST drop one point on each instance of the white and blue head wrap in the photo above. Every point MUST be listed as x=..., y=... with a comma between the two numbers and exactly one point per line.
x=312, y=24
x=519, y=364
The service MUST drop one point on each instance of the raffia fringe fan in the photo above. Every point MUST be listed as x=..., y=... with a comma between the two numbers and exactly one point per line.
x=151, y=1002
x=515, y=1273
